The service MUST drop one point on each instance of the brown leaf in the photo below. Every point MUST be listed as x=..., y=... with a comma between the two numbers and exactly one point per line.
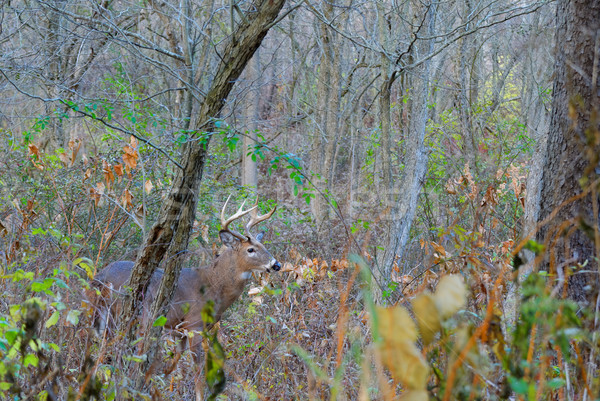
x=287, y=267
x=139, y=212
x=126, y=199
x=439, y=249
x=131, y=154
x=74, y=146
x=109, y=177
x=254, y=291
x=33, y=150
x=118, y=170
x=204, y=232
x=133, y=142
x=148, y=186
x=64, y=159
x=100, y=187
x=36, y=159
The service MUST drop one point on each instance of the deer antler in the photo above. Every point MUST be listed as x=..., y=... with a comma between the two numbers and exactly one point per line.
x=237, y=215
x=255, y=218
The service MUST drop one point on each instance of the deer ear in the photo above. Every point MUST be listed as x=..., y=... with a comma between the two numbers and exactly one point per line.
x=260, y=236
x=228, y=239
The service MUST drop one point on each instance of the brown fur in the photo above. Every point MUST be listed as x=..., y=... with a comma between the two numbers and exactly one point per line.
x=223, y=282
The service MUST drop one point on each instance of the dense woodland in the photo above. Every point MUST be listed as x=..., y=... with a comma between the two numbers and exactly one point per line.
x=434, y=167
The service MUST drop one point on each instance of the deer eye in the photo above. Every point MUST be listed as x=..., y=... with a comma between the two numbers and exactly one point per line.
x=251, y=250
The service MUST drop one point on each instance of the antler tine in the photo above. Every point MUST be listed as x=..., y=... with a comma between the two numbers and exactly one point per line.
x=255, y=218
x=237, y=215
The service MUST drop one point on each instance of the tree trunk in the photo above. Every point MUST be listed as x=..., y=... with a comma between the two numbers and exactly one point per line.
x=385, y=105
x=415, y=160
x=573, y=149
x=170, y=233
x=322, y=116
x=249, y=169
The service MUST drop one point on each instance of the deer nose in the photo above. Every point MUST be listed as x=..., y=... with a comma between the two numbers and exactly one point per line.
x=276, y=266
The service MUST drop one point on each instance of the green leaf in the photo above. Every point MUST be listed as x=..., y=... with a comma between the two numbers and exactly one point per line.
x=214, y=362
x=160, y=321
x=208, y=312
x=53, y=319
x=519, y=386
x=53, y=346
x=86, y=264
x=136, y=358
x=73, y=317
x=30, y=359
x=556, y=383
x=11, y=335
x=4, y=386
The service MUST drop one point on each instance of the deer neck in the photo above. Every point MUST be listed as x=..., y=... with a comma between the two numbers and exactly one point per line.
x=223, y=282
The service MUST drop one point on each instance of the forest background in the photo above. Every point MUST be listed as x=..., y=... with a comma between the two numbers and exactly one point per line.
x=434, y=165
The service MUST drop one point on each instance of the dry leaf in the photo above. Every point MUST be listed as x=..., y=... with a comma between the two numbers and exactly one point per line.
x=441, y=251
x=109, y=177
x=74, y=146
x=398, y=351
x=100, y=187
x=139, y=212
x=148, y=186
x=427, y=315
x=204, y=232
x=126, y=199
x=119, y=170
x=64, y=159
x=451, y=295
x=287, y=267
x=131, y=154
x=34, y=151
x=255, y=291
x=414, y=395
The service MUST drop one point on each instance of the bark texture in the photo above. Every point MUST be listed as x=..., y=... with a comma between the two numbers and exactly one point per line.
x=573, y=148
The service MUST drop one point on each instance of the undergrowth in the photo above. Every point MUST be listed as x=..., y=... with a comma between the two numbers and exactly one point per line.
x=469, y=324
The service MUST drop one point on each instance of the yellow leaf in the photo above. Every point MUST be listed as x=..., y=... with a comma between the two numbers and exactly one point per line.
x=395, y=324
x=397, y=348
x=411, y=395
x=450, y=295
x=428, y=316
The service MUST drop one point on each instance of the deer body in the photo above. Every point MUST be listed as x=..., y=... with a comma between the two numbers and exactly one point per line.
x=223, y=282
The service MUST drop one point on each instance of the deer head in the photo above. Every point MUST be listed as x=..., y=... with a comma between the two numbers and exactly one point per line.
x=249, y=252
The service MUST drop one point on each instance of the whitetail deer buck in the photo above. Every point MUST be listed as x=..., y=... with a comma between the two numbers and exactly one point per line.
x=222, y=281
